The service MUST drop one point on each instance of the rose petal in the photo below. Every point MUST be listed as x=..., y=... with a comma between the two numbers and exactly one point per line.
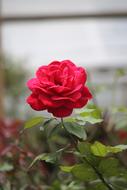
x=58, y=89
x=35, y=103
x=80, y=76
x=87, y=93
x=48, y=101
x=80, y=103
x=33, y=83
x=60, y=112
x=62, y=98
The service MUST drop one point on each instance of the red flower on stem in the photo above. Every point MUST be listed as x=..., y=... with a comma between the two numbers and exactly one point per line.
x=59, y=88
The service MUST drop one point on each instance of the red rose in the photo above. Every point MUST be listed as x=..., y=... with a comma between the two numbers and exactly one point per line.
x=59, y=88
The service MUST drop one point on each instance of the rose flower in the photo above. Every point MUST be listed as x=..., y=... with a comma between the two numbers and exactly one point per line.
x=59, y=88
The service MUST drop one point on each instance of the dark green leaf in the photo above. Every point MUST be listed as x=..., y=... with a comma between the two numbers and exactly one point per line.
x=47, y=157
x=98, y=186
x=51, y=126
x=85, y=150
x=109, y=167
x=84, y=172
x=76, y=130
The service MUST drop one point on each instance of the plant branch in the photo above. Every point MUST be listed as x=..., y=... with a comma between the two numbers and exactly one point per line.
x=84, y=159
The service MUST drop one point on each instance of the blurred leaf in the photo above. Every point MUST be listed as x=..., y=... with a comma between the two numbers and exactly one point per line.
x=6, y=167
x=34, y=122
x=84, y=172
x=122, y=109
x=91, y=114
x=70, y=119
x=85, y=150
x=89, y=119
x=121, y=147
x=47, y=157
x=109, y=167
x=56, y=185
x=120, y=184
x=120, y=72
x=51, y=126
x=84, y=147
x=98, y=186
x=98, y=149
x=76, y=130
x=84, y=110
x=66, y=168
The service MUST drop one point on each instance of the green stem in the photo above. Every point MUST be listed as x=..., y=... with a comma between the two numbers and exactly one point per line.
x=84, y=159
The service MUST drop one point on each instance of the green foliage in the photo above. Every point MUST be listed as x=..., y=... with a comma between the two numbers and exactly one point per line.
x=85, y=151
x=91, y=114
x=109, y=167
x=66, y=168
x=84, y=172
x=98, y=149
x=76, y=129
x=118, y=109
x=120, y=72
x=98, y=186
x=47, y=157
x=51, y=127
x=36, y=121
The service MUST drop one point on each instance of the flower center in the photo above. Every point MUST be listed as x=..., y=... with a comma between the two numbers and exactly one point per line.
x=58, y=82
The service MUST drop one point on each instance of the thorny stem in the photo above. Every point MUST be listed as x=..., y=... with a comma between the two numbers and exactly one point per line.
x=84, y=159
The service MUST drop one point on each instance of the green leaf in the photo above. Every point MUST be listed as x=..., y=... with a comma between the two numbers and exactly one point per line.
x=47, y=157
x=84, y=148
x=109, y=167
x=120, y=72
x=85, y=151
x=51, y=127
x=89, y=119
x=84, y=172
x=120, y=184
x=66, y=168
x=97, y=186
x=70, y=119
x=84, y=110
x=91, y=114
x=121, y=109
x=98, y=149
x=33, y=122
x=75, y=129
x=121, y=147
x=6, y=167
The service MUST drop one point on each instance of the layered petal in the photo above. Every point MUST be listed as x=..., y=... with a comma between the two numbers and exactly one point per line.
x=60, y=112
x=59, y=88
x=35, y=103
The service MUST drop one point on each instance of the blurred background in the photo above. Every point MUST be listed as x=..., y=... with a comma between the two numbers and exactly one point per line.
x=91, y=33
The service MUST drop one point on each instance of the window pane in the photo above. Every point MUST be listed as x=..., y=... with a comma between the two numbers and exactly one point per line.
x=88, y=42
x=56, y=6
